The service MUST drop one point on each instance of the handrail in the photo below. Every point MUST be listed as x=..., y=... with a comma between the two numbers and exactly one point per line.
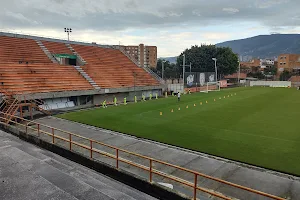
x=150, y=168
x=11, y=106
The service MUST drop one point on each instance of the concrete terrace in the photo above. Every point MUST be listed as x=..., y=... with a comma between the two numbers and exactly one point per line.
x=271, y=182
x=28, y=172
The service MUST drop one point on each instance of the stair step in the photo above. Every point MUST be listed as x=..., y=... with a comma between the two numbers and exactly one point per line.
x=97, y=181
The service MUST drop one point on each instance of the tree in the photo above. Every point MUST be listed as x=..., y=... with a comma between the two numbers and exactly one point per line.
x=201, y=59
x=170, y=70
x=271, y=71
x=258, y=75
x=285, y=75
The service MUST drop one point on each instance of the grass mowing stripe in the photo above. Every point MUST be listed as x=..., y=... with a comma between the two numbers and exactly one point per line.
x=258, y=126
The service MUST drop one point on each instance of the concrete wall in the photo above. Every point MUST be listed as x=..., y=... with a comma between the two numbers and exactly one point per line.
x=175, y=87
x=271, y=83
x=99, y=98
x=51, y=95
x=109, y=97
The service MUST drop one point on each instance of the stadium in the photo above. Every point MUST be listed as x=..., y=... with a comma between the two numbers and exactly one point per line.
x=94, y=105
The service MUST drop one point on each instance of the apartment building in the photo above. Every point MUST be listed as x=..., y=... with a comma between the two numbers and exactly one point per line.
x=250, y=66
x=144, y=55
x=289, y=62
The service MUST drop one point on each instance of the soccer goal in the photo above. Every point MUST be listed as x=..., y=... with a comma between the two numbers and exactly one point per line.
x=210, y=87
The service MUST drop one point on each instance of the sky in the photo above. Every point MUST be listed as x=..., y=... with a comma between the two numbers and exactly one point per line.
x=171, y=25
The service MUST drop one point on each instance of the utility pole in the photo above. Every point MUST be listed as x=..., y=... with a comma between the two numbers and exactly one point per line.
x=163, y=69
x=214, y=59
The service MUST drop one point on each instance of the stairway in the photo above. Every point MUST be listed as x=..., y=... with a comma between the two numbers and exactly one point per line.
x=46, y=51
x=9, y=106
x=147, y=69
x=80, y=60
x=29, y=172
x=36, y=104
x=87, y=77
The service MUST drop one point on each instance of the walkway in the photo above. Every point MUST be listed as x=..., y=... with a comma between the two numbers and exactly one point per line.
x=256, y=178
x=28, y=172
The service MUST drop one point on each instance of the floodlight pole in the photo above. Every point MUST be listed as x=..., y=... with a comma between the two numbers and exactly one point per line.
x=183, y=69
x=134, y=75
x=68, y=31
x=239, y=74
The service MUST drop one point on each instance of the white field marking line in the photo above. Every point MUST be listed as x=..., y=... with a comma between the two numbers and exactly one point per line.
x=209, y=156
x=171, y=107
x=245, y=133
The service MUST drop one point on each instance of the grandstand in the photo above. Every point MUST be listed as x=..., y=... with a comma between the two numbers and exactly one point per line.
x=58, y=71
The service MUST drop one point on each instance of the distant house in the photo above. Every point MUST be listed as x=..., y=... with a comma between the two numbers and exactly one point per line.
x=233, y=78
x=288, y=62
x=251, y=66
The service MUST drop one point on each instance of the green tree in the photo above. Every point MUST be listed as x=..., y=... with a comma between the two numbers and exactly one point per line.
x=258, y=75
x=285, y=75
x=201, y=59
x=170, y=70
x=271, y=71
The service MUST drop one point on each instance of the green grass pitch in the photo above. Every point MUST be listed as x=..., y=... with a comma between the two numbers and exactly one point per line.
x=258, y=126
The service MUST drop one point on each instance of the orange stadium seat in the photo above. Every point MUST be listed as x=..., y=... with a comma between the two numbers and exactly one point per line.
x=56, y=47
x=14, y=49
x=25, y=68
x=110, y=68
x=33, y=78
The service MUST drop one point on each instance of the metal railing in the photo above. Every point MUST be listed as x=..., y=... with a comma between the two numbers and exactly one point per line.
x=90, y=146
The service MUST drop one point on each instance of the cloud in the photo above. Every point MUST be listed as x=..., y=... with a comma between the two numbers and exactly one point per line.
x=231, y=10
x=172, y=25
x=197, y=12
x=20, y=17
x=269, y=3
x=215, y=36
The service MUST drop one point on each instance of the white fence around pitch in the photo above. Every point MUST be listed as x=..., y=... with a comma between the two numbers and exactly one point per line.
x=271, y=83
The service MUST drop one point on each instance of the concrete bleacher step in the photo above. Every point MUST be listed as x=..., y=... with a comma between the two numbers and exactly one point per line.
x=87, y=77
x=97, y=181
x=75, y=53
x=46, y=51
x=33, y=173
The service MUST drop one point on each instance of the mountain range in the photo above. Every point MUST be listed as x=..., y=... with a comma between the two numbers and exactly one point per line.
x=170, y=59
x=261, y=46
x=265, y=46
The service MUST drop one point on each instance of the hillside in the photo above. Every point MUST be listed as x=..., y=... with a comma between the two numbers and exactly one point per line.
x=170, y=59
x=265, y=46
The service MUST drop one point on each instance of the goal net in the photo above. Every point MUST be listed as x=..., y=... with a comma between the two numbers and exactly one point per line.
x=210, y=87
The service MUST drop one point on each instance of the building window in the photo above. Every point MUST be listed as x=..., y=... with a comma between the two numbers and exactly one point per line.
x=284, y=63
x=281, y=63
